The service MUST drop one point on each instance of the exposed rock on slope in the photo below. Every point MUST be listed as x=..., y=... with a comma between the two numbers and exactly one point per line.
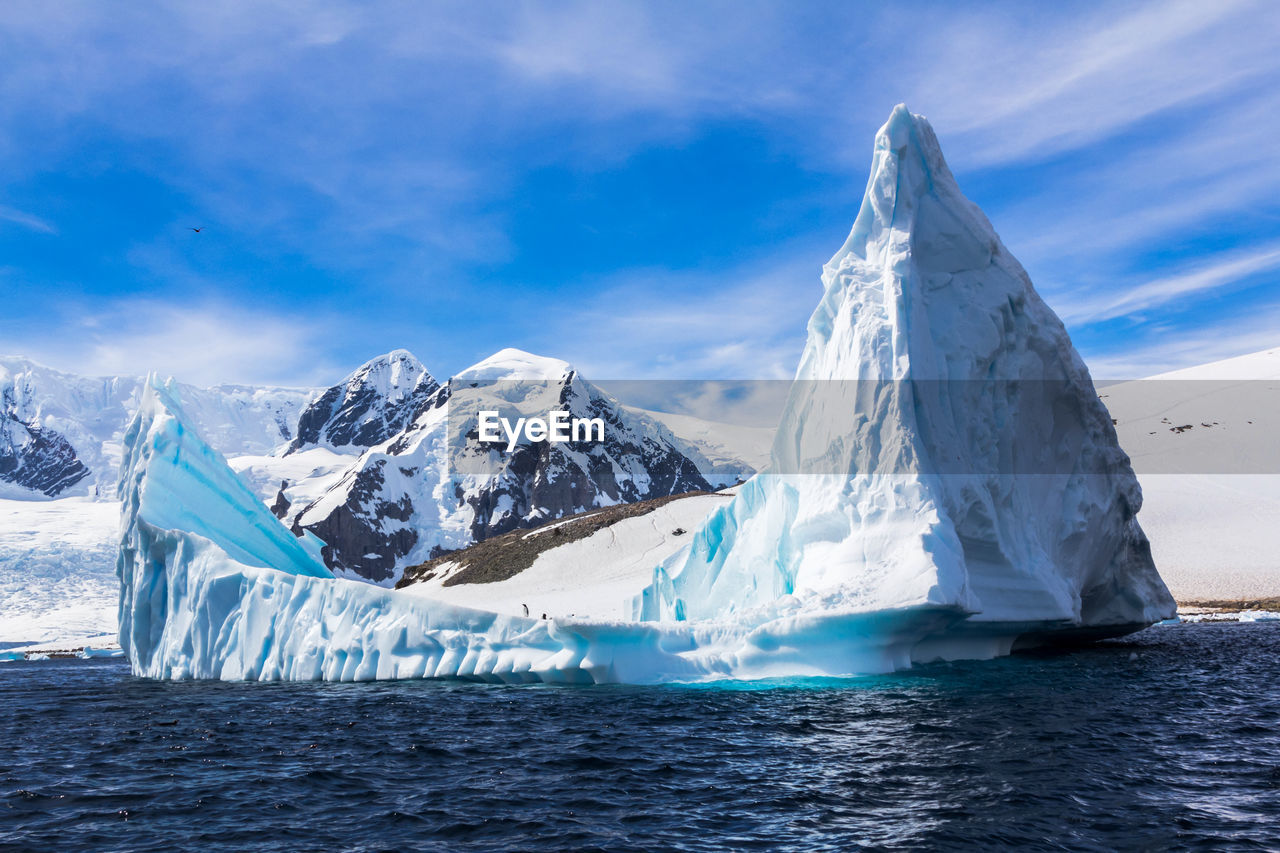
x=436, y=487
x=374, y=403
x=36, y=458
x=62, y=431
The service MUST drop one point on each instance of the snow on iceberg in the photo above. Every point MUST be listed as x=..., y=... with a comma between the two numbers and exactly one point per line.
x=943, y=444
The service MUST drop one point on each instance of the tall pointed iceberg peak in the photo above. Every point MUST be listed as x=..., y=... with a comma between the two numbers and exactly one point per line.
x=943, y=444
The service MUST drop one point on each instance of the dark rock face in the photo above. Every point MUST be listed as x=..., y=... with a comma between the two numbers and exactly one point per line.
x=356, y=538
x=545, y=481
x=283, y=424
x=37, y=458
x=389, y=505
x=371, y=405
x=281, y=506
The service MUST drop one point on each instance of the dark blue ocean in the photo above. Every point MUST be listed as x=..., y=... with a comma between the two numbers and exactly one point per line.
x=1169, y=739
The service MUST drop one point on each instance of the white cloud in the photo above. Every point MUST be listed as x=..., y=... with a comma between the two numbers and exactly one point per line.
x=197, y=344
x=1018, y=89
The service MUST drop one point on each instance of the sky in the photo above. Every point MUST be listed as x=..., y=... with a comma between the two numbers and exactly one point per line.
x=647, y=190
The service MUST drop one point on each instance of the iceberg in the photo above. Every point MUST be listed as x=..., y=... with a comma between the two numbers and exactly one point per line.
x=945, y=483
x=942, y=445
x=212, y=585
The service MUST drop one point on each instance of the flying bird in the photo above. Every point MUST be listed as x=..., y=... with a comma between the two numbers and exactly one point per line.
x=198, y=230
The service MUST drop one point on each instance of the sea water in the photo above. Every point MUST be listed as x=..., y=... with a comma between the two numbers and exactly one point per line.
x=1170, y=738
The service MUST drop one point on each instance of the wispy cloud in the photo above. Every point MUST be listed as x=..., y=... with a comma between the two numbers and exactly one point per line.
x=26, y=220
x=1220, y=271
x=1016, y=91
x=1188, y=347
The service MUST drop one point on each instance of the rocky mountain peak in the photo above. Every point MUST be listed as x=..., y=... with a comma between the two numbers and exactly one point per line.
x=374, y=403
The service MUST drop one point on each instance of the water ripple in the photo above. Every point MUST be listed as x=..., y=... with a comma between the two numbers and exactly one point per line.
x=1166, y=740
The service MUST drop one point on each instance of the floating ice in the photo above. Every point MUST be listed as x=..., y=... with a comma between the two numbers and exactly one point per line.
x=943, y=444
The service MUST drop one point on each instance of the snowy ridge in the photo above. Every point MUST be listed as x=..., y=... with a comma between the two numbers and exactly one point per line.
x=1252, y=366
x=514, y=365
x=70, y=426
x=923, y=290
x=375, y=402
x=1205, y=440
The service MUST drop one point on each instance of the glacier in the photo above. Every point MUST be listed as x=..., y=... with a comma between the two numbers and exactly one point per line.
x=891, y=528
x=72, y=425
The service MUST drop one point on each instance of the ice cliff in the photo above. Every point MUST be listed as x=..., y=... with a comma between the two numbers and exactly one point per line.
x=943, y=443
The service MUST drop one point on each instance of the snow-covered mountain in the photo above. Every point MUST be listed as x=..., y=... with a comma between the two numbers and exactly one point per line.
x=374, y=403
x=435, y=487
x=299, y=450
x=60, y=432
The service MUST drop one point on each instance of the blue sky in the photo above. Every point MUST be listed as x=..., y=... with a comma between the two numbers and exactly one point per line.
x=646, y=190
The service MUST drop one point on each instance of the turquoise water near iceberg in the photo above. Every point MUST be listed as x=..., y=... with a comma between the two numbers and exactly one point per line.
x=1169, y=739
